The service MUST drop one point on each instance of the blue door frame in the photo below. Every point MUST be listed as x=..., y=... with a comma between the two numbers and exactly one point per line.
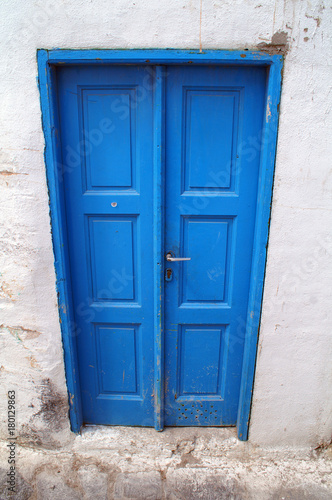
x=47, y=61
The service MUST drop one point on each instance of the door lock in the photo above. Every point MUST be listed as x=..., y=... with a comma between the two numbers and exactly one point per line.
x=168, y=274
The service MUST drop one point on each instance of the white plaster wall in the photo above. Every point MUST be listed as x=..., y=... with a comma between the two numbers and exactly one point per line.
x=292, y=395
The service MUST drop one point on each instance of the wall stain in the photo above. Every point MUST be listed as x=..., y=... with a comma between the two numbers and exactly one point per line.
x=7, y=173
x=278, y=45
x=54, y=406
x=33, y=362
x=20, y=333
x=6, y=292
x=52, y=417
x=316, y=19
x=200, y=25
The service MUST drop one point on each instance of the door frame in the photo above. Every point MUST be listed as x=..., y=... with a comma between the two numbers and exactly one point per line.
x=47, y=61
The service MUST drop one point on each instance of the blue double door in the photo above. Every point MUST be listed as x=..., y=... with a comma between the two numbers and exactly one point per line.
x=212, y=118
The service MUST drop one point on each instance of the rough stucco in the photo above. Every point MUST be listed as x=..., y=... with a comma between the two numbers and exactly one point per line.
x=292, y=404
x=177, y=464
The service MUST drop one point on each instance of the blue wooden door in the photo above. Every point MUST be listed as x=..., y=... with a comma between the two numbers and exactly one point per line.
x=106, y=136
x=214, y=117
x=213, y=120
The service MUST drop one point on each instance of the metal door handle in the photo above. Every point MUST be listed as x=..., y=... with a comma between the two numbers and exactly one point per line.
x=169, y=258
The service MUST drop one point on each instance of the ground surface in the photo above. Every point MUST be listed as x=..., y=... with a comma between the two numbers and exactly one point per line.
x=190, y=463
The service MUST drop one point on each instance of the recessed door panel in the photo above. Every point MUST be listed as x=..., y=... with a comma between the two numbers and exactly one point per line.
x=109, y=136
x=210, y=145
x=117, y=359
x=204, y=280
x=199, y=375
x=113, y=256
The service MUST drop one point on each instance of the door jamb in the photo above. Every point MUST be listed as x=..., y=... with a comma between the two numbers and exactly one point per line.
x=47, y=60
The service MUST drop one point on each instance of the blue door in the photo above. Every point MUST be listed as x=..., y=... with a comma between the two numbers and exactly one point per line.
x=106, y=138
x=213, y=120
x=214, y=115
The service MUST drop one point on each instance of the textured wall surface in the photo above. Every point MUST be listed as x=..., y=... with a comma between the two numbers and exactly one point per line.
x=292, y=403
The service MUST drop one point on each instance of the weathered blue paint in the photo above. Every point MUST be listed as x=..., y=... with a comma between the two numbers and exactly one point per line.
x=160, y=56
x=106, y=118
x=212, y=173
x=158, y=244
x=263, y=212
x=47, y=87
x=47, y=60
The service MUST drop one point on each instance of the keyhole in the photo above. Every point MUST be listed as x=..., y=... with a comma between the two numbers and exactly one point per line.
x=168, y=274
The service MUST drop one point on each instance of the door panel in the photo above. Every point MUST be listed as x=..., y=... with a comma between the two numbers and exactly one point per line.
x=211, y=145
x=205, y=278
x=110, y=161
x=106, y=135
x=212, y=114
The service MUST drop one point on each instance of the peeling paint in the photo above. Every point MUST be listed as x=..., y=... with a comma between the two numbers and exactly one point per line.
x=6, y=291
x=316, y=19
x=268, y=110
x=279, y=44
x=7, y=173
x=33, y=362
x=20, y=331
